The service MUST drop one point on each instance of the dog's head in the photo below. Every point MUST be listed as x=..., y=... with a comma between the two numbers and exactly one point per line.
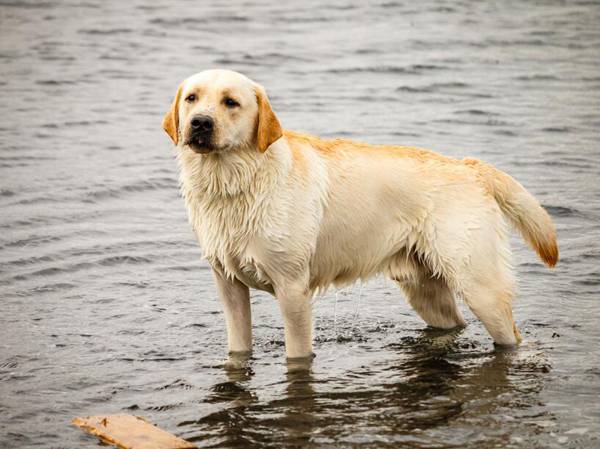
x=221, y=110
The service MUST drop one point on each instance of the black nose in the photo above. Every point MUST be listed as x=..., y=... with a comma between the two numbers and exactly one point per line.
x=202, y=123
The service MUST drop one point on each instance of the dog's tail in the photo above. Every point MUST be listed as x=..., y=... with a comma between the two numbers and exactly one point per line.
x=522, y=210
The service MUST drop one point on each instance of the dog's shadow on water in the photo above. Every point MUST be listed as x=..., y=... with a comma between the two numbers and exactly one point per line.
x=436, y=384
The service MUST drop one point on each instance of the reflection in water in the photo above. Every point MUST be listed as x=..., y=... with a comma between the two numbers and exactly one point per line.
x=298, y=410
x=414, y=397
x=232, y=424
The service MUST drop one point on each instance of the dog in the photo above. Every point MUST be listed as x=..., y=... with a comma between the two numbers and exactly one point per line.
x=292, y=214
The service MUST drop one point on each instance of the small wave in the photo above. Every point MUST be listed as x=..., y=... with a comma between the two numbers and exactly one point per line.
x=178, y=22
x=113, y=57
x=557, y=129
x=141, y=186
x=271, y=58
x=30, y=261
x=404, y=134
x=449, y=85
x=72, y=268
x=27, y=4
x=435, y=87
x=475, y=112
x=424, y=67
x=542, y=32
x=412, y=90
x=164, y=408
x=453, y=121
x=592, y=281
x=516, y=42
x=27, y=158
x=282, y=56
x=39, y=200
x=120, y=260
x=9, y=364
x=118, y=75
x=57, y=58
x=583, y=165
x=373, y=69
x=85, y=123
x=184, y=267
x=201, y=325
x=368, y=51
x=176, y=384
x=236, y=62
x=389, y=5
x=443, y=9
x=140, y=285
x=155, y=359
x=562, y=211
x=105, y=32
x=24, y=223
x=340, y=7
x=32, y=241
x=59, y=286
x=371, y=98
x=53, y=82
x=593, y=254
x=311, y=19
x=22, y=164
x=52, y=271
x=537, y=77
x=505, y=132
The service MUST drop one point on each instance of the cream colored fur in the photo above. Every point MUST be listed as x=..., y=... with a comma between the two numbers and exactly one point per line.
x=292, y=214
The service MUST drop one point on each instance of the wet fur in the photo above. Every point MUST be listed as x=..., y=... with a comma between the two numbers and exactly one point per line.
x=292, y=214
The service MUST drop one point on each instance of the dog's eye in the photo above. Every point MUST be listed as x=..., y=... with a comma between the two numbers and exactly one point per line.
x=190, y=98
x=230, y=102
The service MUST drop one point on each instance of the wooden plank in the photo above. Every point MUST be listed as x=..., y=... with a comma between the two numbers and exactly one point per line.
x=130, y=432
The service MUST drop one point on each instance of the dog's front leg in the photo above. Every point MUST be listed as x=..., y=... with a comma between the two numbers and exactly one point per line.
x=296, y=308
x=235, y=298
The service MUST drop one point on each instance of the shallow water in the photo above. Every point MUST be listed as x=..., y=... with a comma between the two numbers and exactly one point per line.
x=107, y=306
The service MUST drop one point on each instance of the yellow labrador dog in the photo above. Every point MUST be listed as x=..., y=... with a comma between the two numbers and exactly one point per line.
x=292, y=214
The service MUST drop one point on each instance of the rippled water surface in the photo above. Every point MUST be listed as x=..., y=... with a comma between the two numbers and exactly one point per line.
x=107, y=306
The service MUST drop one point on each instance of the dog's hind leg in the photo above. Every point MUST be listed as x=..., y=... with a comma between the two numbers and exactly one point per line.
x=485, y=282
x=429, y=296
x=433, y=301
x=490, y=299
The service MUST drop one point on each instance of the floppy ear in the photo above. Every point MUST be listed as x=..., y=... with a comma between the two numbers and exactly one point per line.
x=170, y=122
x=268, y=129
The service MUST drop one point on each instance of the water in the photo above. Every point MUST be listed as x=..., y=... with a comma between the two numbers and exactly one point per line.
x=107, y=306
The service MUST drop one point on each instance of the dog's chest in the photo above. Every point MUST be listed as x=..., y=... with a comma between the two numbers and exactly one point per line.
x=229, y=232
x=243, y=264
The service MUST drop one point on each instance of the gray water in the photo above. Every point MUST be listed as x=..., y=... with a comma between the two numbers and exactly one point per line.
x=108, y=307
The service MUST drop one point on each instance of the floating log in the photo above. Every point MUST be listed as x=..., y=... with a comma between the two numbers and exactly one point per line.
x=130, y=432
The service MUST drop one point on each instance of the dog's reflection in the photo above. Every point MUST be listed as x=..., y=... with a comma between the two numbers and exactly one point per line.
x=238, y=370
x=299, y=406
x=433, y=379
x=246, y=421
